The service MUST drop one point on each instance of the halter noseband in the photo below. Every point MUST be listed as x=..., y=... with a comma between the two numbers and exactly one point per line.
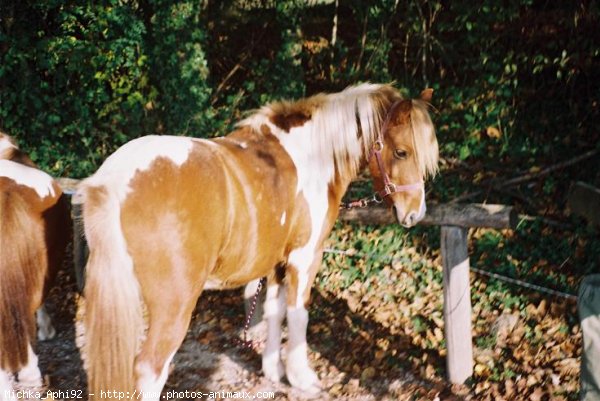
x=389, y=187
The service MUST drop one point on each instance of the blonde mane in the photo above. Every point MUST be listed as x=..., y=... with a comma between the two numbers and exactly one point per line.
x=346, y=124
x=424, y=138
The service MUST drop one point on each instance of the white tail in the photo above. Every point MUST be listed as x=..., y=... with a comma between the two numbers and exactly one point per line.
x=113, y=312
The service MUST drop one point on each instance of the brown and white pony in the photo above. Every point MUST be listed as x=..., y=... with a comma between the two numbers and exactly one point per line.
x=34, y=233
x=166, y=217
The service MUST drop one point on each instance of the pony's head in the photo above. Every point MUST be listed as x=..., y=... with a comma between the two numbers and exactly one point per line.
x=403, y=156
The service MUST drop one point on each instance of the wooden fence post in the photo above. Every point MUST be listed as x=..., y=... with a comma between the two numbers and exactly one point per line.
x=457, y=304
x=80, y=249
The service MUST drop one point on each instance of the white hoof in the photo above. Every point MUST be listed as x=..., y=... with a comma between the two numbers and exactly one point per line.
x=273, y=369
x=305, y=379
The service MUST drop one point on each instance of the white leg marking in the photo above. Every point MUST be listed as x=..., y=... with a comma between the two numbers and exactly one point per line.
x=45, y=329
x=149, y=384
x=298, y=371
x=274, y=314
x=30, y=376
x=6, y=389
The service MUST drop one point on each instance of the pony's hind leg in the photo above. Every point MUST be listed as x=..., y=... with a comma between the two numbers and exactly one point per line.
x=168, y=323
x=45, y=330
x=274, y=312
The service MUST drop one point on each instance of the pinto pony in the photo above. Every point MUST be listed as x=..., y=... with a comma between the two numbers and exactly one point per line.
x=34, y=233
x=166, y=217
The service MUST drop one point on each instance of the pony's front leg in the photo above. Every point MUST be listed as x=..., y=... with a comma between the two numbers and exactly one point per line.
x=298, y=370
x=274, y=312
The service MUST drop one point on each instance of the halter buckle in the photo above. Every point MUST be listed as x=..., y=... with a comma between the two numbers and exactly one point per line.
x=390, y=188
x=378, y=145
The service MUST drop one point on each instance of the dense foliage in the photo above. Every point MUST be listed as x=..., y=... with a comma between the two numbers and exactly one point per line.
x=515, y=82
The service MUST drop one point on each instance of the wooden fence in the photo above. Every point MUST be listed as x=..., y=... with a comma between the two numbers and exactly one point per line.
x=454, y=219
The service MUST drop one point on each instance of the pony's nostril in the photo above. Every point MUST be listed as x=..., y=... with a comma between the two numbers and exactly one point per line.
x=411, y=219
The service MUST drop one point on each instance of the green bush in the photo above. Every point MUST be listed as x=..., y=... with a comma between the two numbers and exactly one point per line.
x=514, y=82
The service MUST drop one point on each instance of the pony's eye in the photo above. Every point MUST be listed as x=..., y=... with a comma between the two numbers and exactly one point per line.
x=400, y=154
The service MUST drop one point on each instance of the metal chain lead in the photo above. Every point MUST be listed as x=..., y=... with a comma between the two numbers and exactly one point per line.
x=245, y=343
x=364, y=202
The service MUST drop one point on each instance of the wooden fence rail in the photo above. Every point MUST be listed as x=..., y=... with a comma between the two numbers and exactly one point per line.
x=454, y=219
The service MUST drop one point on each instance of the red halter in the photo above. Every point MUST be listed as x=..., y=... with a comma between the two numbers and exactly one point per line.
x=389, y=187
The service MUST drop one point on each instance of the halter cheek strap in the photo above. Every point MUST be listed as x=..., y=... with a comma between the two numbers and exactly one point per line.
x=389, y=187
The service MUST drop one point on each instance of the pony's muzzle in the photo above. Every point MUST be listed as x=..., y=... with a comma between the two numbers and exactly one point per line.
x=411, y=218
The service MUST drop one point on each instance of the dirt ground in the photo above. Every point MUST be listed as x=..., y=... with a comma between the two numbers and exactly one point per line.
x=209, y=361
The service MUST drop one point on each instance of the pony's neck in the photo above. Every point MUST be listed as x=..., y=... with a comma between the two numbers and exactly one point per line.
x=328, y=136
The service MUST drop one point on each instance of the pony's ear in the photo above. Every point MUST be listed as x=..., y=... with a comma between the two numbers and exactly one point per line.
x=426, y=95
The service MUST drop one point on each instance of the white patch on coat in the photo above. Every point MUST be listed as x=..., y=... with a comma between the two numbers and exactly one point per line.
x=149, y=384
x=138, y=155
x=282, y=220
x=302, y=258
x=31, y=177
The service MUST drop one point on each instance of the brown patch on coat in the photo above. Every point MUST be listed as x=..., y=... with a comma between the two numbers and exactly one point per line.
x=286, y=115
x=289, y=121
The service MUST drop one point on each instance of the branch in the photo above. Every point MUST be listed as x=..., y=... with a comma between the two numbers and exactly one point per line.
x=529, y=176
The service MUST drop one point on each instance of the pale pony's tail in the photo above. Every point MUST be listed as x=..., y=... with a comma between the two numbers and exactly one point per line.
x=113, y=312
